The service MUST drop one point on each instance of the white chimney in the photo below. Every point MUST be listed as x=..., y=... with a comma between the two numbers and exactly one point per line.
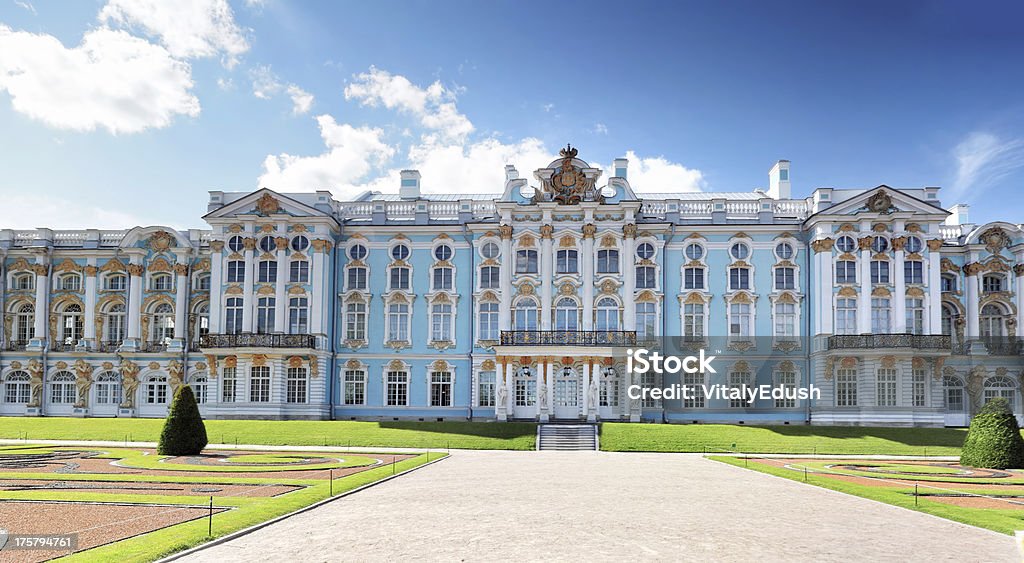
x=410, y=187
x=778, y=180
x=959, y=214
x=510, y=172
x=621, y=166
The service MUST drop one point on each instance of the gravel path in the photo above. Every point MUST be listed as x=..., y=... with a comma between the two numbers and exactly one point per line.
x=607, y=506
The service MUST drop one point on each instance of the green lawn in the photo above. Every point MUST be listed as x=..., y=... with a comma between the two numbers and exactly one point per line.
x=713, y=438
x=1002, y=521
x=438, y=435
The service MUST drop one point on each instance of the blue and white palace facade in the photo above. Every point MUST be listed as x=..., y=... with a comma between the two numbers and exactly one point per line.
x=518, y=304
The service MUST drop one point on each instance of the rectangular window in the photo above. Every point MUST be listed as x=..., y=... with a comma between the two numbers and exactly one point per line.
x=607, y=261
x=785, y=320
x=739, y=380
x=694, y=382
x=442, y=278
x=488, y=321
x=920, y=388
x=948, y=284
x=739, y=321
x=398, y=322
x=913, y=272
x=693, y=322
x=298, y=315
x=526, y=261
x=489, y=277
x=526, y=392
x=259, y=384
x=645, y=277
x=441, y=389
x=786, y=381
x=915, y=316
x=355, y=321
x=693, y=278
x=236, y=271
x=299, y=272
x=649, y=380
x=785, y=278
x=879, y=271
x=355, y=387
x=356, y=278
x=566, y=262
x=296, y=385
x=265, y=313
x=486, y=390
x=846, y=316
x=646, y=320
x=441, y=322
x=846, y=388
x=886, y=387
x=399, y=278
x=846, y=271
x=267, y=271
x=397, y=389
x=739, y=278
x=881, y=322
x=229, y=385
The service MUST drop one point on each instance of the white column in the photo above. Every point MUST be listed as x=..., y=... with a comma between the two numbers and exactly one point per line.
x=973, y=321
x=247, y=286
x=505, y=278
x=318, y=276
x=864, y=303
x=935, y=292
x=181, y=298
x=586, y=388
x=826, y=273
x=135, y=302
x=42, y=270
x=629, y=277
x=1018, y=290
x=899, y=300
x=280, y=298
x=216, y=291
x=90, y=306
x=588, y=276
x=546, y=264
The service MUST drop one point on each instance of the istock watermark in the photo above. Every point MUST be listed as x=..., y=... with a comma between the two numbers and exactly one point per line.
x=641, y=361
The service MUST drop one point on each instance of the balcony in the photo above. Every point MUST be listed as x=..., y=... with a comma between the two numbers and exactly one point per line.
x=153, y=346
x=17, y=345
x=568, y=338
x=108, y=346
x=250, y=340
x=914, y=341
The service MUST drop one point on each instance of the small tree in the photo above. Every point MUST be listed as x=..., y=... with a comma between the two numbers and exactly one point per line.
x=993, y=440
x=184, y=432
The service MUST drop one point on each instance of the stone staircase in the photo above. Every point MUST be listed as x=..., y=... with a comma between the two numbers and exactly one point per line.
x=567, y=437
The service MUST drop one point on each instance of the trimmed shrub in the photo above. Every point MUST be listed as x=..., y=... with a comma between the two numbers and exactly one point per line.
x=184, y=432
x=993, y=440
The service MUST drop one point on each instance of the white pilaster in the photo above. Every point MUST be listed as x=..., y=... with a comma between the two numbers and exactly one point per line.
x=135, y=301
x=42, y=269
x=973, y=321
x=505, y=279
x=935, y=293
x=864, y=303
x=588, y=277
x=280, y=298
x=546, y=263
x=629, y=277
x=90, y=306
x=180, y=302
x=318, y=276
x=216, y=291
x=899, y=299
x=826, y=272
x=247, y=287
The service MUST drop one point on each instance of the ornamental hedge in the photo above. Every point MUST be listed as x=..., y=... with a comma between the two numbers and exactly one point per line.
x=184, y=432
x=993, y=440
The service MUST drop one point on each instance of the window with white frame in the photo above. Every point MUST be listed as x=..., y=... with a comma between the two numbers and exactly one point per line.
x=645, y=278
x=488, y=319
x=914, y=244
x=233, y=315
x=116, y=323
x=62, y=388
x=490, y=250
x=948, y=283
x=201, y=282
x=236, y=271
x=236, y=243
x=163, y=323
x=845, y=244
x=739, y=251
x=400, y=252
x=694, y=251
x=22, y=282
x=879, y=244
x=949, y=316
x=785, y=320
x=646, y=320
x=886, y=387
x=739, y=380
x=695, y=396
x=70, y=282
x=156, y=390
x=607, y=314
x=785, y=278
x=693, y=322
x=1002, y=387
x=525, y=389
x=399, y=277
x=490, y=277
x=354, y=392
x=915, y=315
x=443, y=278
x=299, y=271
x=440, y=388
x=693, y=278
x=846, y=387
x=879, y=271
x=267, y=244
x=525, y=314
x=397, y=389
x=953, y=394
x=72, y=324
x=645, y=251
x=199, y=383
x=118, y=282
x=739, y=321
x=739, y=278
x=25, y=323
x=784, y=250
x=357, y=252
x=298, y=315
x=355, y=278
x=296, y=385
x=566, y=261
x=567, y=314
x=265, y=312
x=881, y=319
x=608, y=395
x=786, y=380
x=526, y=261
x=441, y=322
x=259, y=384
x=229, y=385
x=443, y=252
x=608, y=261
x=486, y=386
x=913, y=271
x=920, y=388
x=649, y=380
x=846, y=271
x=398, y=322
x=992, y=323
x=992, y=283
x=17, y=388
x=846, y=315
x=266, y=271
x=161, y=282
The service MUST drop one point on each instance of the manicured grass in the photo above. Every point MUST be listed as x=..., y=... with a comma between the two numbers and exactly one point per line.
x=269, y=459
x=437, y=435
x=830, y=467
x=713, y=438
x=1002, y=521
x=134, y=458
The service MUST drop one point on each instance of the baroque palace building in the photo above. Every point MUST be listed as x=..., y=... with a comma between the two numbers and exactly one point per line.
x=519, y=305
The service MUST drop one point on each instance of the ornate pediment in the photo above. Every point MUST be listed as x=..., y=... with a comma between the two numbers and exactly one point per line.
x=569, y=183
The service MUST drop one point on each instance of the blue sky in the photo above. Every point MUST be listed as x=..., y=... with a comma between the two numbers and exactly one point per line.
x=119, y=112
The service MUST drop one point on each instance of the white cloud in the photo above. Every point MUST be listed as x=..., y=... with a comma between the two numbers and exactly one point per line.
x=657, y=174
x=600, y=129
x=982, y=159
x=548, y=107
x=27, y=210
x=26, y=6
x=226, y=84
x=266, y=85
x=434, y=105
x=189, y=29
x=352, y=152
x=113, y=80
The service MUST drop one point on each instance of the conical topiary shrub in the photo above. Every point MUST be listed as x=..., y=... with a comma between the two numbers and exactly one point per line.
x=993, y=440
x=184, y=432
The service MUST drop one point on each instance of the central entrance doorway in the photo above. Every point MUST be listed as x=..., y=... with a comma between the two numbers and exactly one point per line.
x=567, y=394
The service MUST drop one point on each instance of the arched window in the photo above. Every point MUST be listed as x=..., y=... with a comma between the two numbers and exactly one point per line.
x=296, y=385
x=607, y=261
x=62, y=388
x=233, y=315
x=567, y=314
x=70, y=282
x=23, y=282
x=265, y=307
x=161, y=282
x=25, y=328
x=108, y=388
x=992, y=323
x=202, y=320
x=116, y=282
x=17, y=388
x=298, y=315
x=199, y=384
x=1000, y=386
x=525, y=317
x=163, y=323
x=71, y=324
x=116, y=325
x=953, y=389
x=607, y=314
x=949, y=316
x=156, y=390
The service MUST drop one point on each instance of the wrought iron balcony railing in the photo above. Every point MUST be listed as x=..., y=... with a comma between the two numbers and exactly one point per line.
x=17, y=345
x=157, y=346
x=568, y=338
x=251, y=340
x=916, y=341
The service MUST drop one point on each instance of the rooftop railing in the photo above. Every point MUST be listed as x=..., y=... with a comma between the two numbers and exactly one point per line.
x=252, y=340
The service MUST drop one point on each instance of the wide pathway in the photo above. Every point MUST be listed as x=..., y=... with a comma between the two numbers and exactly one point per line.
x=484, y=506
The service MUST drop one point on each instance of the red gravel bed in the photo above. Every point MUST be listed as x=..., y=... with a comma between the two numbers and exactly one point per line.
x=95, y=523
x=145, y=488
